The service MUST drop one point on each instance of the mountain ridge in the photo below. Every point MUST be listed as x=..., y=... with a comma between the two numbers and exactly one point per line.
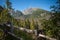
x=27, y=11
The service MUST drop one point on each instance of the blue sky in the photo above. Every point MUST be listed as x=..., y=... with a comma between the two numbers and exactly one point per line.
x=24, y=4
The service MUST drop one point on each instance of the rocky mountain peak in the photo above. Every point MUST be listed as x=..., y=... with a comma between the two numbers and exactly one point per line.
x=29, y=11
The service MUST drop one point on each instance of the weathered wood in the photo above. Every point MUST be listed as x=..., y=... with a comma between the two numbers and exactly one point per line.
x=14, y=35
x=8, y=32
x=44, y=36
x=39, y=35
x=31, y=31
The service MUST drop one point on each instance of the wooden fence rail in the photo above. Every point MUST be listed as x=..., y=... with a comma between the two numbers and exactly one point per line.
x=29, y=31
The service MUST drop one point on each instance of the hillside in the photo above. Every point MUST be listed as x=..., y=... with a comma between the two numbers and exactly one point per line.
x=36, y=13
x=31, y=16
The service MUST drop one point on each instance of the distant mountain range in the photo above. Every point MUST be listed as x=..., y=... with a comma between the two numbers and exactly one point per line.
x=31, y=13
x=31, y=10
x=37, y=13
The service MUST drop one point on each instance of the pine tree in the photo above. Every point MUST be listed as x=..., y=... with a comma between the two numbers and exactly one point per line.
x=8, y=4
x=52, y=26
x=55, y=25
